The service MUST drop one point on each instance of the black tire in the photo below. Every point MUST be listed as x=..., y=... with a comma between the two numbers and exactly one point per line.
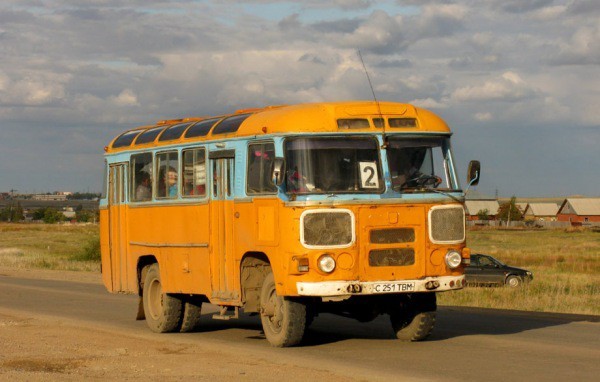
x=414, y=317
x=283, y=319
x=163, y=311
x=192, y=311
x=514, y=281
x=415, y=327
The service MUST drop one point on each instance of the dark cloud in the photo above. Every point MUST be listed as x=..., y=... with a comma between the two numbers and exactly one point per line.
x=519, y=6
x=344, y=26
x=311, y=58
x=584, y=8
x=395, y=63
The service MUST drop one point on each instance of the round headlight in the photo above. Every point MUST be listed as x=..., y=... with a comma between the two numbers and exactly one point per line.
x=453, y=259
x=326, y=263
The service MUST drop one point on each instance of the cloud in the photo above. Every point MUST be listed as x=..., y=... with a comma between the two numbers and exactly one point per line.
x=380, y=33
x=483, y=117
x=519, y=6
x=429, y=103
x=32, y=88
x=509, y=88
x=126, y=98
x=582, y=48
x=440, y=20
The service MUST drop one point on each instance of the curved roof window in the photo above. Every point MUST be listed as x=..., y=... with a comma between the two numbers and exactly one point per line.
x=402, y=122
x=200, y=129
x=353, y=123
x=173, y=132
x=230, y=124
x=125, y=139
x=149, y=135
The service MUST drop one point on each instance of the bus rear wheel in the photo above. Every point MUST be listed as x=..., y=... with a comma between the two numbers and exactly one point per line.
x=283, y=319
x=162, y=311
x=192, y=312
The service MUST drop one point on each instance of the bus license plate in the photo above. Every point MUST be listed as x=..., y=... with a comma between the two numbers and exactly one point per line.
x=393, y=287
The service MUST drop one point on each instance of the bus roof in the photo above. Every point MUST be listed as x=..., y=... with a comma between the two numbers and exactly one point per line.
x=334, y=117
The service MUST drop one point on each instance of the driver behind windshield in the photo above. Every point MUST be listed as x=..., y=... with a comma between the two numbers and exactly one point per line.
x=405, y=165
x=412, y=163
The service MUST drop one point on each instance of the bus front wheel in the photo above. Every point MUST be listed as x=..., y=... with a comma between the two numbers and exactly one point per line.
x=162, y=311
x=283, y=319
x=414, y=318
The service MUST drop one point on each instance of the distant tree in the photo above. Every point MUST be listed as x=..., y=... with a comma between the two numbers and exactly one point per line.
x=83, y=196
x=12, y=213
x=38, y=214
x=52, y=215
x=83, y=216
x=483, y=214
x=509, y=211
x=18, y=215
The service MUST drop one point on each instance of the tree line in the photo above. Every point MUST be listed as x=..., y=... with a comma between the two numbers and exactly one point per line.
x=14, y=213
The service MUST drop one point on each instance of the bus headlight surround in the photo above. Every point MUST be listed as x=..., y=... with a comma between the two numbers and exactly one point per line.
x=326, y=263
x=453, y=259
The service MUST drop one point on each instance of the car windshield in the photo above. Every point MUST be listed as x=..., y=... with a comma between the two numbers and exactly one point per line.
x=333, y=165
x=421, y=164
x=497, y=261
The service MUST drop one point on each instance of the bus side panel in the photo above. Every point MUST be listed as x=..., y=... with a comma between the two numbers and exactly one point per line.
x=178, y=237
x=257, y=230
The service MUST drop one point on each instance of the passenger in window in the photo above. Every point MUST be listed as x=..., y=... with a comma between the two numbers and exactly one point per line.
x=259, y=172
x=172, y=181
x=296, y=182
x=144, y=189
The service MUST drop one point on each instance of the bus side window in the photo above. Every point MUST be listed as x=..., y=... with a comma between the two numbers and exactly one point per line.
x=194, y=172
x=141, y=177
x=260, y=158
x=167, y=165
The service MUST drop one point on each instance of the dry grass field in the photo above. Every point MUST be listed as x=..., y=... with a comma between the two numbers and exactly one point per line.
x=49, y=246
x=565, y=266
x=565, y=263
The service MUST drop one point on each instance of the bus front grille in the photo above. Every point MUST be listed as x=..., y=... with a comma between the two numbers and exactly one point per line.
x=392, y=257
x=392, y=235
x=327, y=228
x=447, y=224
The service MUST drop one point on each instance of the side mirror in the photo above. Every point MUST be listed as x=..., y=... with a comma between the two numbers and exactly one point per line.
x=277, y=170
x=474, y=173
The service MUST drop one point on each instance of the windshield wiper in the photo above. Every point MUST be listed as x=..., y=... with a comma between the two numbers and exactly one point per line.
x=446, y=193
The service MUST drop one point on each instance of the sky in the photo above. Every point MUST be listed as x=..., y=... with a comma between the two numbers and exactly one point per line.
x=517, y=81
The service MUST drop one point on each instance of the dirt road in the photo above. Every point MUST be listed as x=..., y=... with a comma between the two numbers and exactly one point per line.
x=65, y=326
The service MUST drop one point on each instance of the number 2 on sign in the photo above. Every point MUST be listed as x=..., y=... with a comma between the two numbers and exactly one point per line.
x=368, y=175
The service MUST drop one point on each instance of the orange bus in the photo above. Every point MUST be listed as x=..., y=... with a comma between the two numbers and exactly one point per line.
x=352, y=208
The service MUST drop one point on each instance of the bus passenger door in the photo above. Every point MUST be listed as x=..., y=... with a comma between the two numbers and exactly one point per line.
x=221, y=221
x=117, y=226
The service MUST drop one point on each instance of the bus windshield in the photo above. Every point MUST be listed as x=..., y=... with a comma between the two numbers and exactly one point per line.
x=333, y=165
x=419, y=164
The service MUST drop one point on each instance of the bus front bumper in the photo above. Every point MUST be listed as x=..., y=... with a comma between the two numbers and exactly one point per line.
x=350, y=288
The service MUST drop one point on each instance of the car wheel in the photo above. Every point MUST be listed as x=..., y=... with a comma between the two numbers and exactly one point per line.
x=513, y=281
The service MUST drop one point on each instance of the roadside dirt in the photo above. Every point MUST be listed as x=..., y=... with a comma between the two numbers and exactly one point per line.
x=35, y=347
